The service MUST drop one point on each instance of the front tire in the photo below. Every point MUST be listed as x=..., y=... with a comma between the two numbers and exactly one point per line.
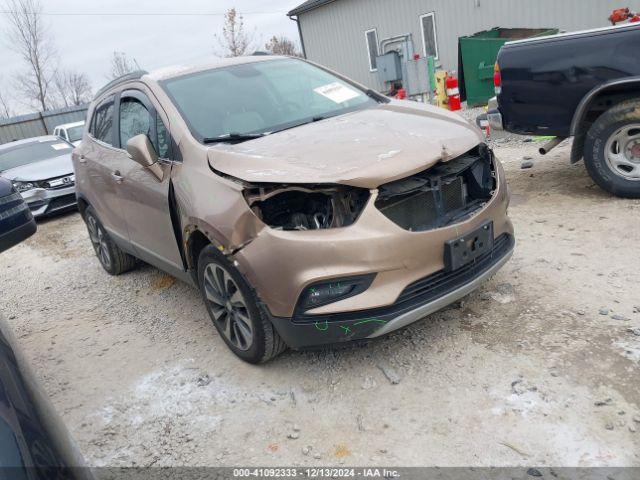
x=612, y=150
x=112, y=258
x=233, y=307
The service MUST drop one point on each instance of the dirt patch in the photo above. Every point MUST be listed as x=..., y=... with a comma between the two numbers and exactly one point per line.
x=163, y=282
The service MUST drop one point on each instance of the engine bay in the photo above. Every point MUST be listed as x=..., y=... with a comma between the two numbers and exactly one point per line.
x=298, y=207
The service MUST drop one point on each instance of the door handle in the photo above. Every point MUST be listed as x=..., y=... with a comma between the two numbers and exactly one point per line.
x=117, y=177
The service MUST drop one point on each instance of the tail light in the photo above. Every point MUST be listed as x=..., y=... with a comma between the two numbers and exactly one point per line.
x=497, y=79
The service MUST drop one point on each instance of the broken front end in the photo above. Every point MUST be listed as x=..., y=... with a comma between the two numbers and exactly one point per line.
x=340, y=263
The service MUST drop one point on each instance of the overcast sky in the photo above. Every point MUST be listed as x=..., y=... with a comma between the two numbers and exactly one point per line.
x=155, y=33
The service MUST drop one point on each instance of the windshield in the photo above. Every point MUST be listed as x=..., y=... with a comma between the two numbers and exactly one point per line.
x=75, y=133
x=261, y=97
x=32, y=152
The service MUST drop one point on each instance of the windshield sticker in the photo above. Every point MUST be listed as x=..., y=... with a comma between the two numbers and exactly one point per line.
x=59, y=146
x=336, y=92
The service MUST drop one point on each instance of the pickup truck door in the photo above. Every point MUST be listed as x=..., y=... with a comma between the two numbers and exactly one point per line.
x=144, y=196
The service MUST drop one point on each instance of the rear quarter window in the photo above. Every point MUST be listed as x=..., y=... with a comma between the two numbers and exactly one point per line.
x=102, y=122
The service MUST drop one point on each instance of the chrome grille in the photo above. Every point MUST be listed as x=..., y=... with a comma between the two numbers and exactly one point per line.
x=58, y=182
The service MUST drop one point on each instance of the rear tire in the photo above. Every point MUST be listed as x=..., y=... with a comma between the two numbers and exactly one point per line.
x=612, y=150
x=112, y=258
x=234, y=310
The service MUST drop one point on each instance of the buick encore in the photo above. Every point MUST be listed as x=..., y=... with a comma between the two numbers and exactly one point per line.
x=308, y=209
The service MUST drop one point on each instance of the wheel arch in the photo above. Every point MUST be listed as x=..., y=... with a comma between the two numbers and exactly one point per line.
x=83, y=204
x=594, y=104
x=196, y=238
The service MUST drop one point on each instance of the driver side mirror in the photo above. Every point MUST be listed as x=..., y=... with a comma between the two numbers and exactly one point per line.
x=141, y=151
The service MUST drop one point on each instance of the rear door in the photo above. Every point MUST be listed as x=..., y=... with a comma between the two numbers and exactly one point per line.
x=98, y=167
x=145, y=197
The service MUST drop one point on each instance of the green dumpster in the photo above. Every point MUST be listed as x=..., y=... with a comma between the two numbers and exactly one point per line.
x=477, y=56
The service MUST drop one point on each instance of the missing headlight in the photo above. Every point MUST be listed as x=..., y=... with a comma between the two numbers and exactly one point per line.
x=306, y=207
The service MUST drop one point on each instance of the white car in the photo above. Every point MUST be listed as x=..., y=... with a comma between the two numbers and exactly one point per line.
x=71, y=132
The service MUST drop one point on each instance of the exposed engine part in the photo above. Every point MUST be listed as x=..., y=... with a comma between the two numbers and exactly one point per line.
x=446, y=193
x=306, y=207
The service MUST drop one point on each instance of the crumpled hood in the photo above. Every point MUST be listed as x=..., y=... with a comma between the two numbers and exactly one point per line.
x=42, y=170
x=366, y=148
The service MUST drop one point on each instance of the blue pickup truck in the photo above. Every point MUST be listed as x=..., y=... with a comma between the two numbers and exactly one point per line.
x=584, y=85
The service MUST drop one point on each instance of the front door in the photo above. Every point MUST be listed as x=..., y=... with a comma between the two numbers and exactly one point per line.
x=144, y=196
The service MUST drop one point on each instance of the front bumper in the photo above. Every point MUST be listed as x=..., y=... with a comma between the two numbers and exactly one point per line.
x=280, y=265
x=422, y=298
x=43, y=202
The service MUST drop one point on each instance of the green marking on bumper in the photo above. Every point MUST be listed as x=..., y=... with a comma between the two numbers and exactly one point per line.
x=326, y=326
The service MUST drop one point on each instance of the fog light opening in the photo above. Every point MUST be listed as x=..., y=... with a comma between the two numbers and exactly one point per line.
x=323, y=293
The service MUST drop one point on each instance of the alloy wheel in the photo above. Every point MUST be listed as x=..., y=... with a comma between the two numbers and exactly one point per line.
x=228, y=306
x=622, y=152
x=99, y=240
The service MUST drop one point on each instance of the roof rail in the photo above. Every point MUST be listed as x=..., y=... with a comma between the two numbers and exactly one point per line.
x=124, y=78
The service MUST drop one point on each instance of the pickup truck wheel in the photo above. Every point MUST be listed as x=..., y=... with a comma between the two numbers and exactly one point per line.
x=612, y=150
x=112, y=258
x=233, y=307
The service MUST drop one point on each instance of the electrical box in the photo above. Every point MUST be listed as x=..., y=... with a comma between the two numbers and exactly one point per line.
x=389, y=67
x=417, y=77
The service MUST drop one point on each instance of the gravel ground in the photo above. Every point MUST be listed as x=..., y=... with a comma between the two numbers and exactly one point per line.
x=540, y=366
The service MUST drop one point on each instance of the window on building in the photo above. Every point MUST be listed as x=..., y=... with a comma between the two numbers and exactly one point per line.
x=429, y=36
x=372, y=48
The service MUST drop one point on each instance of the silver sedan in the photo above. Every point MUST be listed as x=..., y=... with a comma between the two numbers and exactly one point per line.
x=41, y=170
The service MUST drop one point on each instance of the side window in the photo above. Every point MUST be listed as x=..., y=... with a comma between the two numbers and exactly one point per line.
x=429, y=37
x=163, y=138
x=135, y=119
x=372, y=48
x=102, y=122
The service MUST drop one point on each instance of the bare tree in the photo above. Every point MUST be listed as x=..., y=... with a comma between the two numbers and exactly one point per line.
x=282, y=46
x=30, y=38
x=234, y=41
x=121, y=65
x=72, y=88
x=5, y=108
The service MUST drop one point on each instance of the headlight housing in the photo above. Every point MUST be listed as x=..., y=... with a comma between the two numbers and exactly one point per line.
x=23, y=186
x=302, y=207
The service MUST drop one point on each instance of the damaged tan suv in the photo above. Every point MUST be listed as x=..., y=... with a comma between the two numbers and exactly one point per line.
x=307, y=209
